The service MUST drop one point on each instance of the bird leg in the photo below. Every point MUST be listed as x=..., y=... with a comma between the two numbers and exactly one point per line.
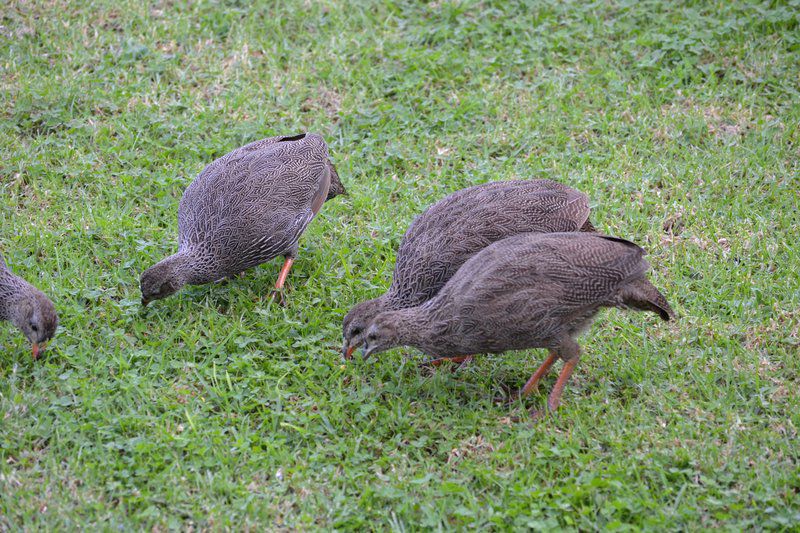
x=541, y=372
x=554, y=400
x=533, y=382
x=287, y=264
x=462, y=362
x=571, y=353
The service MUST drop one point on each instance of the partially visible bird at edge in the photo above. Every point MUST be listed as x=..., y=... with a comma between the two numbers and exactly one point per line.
x=27, y=308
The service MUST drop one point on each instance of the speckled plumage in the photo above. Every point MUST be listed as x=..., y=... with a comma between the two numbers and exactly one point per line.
x=451, y=231
x=245, y=209
x=526, y=291
x=26, y=307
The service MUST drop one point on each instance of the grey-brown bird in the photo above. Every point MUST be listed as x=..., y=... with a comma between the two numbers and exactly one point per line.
x=454, y=229
x=26, y=307
x=526, y=291
x=244, y=209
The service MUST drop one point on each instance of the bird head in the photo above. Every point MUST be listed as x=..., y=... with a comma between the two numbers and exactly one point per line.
x=160, y=280
x=355, y=324
x=382, y=334
x=35, y=315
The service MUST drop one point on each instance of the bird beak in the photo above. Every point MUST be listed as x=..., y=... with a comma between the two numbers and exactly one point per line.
x=366, y=353
x=35, y=350
x=347, y=352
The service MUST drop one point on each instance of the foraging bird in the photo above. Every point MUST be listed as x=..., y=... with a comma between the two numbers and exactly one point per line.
x=454, y=229
x=526, y=291
x=27, y=308
x=245, y=209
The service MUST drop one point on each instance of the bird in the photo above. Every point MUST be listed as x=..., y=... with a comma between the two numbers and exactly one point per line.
x=246, y=208
x=525, y=291
x=454, y=229
x=27, y=308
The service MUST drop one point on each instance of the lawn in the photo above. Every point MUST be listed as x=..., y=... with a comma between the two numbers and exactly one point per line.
x=219, y=409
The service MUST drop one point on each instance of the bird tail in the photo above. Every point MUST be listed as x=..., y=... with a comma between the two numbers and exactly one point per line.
x=337, y=187
x=642, y=295
x=588, y=227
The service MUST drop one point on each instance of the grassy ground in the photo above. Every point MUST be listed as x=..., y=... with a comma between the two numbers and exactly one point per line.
x=216, y=409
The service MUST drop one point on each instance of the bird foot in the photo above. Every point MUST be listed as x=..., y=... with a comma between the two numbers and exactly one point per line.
x=507, y=400
x=277, y=295
x=538, y=414
x=534, y=415
x=508, y=397
x=464, y=363
x=458, y=362
x=548, y=409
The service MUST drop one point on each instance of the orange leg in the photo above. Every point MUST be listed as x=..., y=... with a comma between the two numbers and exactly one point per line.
x=533, y=383
x=554, y=400
x=284, y=273
x=463, y=360
x=570, y=352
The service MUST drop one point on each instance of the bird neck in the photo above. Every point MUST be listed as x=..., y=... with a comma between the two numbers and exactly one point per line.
x=413, y=328
x=181, y=266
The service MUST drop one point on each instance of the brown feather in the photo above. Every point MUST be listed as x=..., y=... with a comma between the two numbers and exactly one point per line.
x=457, y=227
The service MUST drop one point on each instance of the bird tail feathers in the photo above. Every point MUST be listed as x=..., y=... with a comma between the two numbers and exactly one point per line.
x=642, y=295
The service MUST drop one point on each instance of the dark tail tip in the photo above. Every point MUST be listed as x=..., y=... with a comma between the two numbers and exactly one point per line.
x=661, y=304
x=666, y=314
x=643, y=295
x=588, y=227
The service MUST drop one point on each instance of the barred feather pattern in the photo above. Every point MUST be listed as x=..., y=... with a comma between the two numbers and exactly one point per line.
x=251, y=205
x=440, y=240
x=454, y=229
x=11, y=287
x=247, y=208
x=525, y=291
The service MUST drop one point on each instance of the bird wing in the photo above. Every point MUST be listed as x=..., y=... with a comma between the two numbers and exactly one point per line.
x=260, y=194
x=451, y=231
x=529, y=286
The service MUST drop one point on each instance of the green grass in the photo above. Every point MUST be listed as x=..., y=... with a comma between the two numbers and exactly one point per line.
x=215, y=409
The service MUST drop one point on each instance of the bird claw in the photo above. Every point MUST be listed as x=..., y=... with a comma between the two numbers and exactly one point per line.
x=277, y=294
x=534, y=415
x=461, y=364
x=538, y=414
x=431, y=364
x=507, y=401
x=457, y=362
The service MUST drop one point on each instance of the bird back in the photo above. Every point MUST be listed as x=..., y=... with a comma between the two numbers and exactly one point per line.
x=253, y=204
x=531, y=289
x=451, y=231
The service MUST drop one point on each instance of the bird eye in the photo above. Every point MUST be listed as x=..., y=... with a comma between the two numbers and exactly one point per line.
x=34, y=327
x=356, y=330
